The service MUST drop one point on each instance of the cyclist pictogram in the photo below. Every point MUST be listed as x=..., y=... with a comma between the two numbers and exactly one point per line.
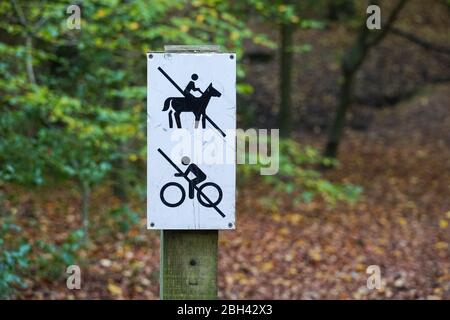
x=195, y=184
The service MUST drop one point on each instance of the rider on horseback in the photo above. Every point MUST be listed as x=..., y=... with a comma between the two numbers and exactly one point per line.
x=191, y=87
x=190, y=103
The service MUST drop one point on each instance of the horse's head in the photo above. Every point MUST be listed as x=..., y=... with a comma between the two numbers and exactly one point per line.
x=212, y=91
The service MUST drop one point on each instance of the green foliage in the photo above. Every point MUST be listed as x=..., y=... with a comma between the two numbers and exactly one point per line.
x=123, y=218
x=85, y=114
x=447, y=2
x=299, y=176
x=87, y=109
x=13, y=258
x=52, y=260
x=305, y=14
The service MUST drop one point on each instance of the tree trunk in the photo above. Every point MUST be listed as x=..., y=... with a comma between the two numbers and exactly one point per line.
x=29, y=59
x=119, y=175
x=352, y=60
x=337, y=128
x=285, y=114
x=85, y=199
x=28, y=41
x=337, y=9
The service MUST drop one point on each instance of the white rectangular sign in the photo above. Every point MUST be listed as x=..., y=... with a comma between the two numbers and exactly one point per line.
x=191, y=146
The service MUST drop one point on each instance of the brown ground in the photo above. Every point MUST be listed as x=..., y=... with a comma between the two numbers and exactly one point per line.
x=309, y=251
x=400, y=155
x=315, y=252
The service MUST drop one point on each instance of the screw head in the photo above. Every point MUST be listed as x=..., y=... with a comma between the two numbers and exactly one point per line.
x=231, y=56
x=150, y=56
x=230, y=225
x=185, y=160
x=152, y=224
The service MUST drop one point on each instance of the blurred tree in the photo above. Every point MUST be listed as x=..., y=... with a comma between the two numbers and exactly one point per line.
x=73, y=101
x=285, y=79
x=351, y=62
x=287, y=15
x=338, y=9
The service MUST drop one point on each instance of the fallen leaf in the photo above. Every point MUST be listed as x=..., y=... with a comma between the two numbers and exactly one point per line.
x=267, y=266
x=114, y=289
x=315, y=255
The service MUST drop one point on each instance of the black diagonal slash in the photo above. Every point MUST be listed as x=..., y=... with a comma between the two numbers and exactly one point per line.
x=182, y=92
x=196, y=188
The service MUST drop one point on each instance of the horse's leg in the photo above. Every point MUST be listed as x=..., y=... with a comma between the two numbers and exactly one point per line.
x=197, y=120
x=170, y=119
x=177, y=119
x=203, y=121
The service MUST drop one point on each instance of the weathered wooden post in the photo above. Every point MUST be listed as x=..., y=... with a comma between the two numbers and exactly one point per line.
x=189, y=264
x=205, y=112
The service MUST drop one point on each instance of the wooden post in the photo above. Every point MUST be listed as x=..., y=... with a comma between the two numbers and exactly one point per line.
x=189, y=264
x=189, y=257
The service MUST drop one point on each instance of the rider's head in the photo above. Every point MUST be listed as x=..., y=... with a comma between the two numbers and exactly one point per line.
x=185, y=160
x=194, y=76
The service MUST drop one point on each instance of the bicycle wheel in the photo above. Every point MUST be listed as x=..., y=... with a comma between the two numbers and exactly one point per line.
x=203, y=198
x=174, y=184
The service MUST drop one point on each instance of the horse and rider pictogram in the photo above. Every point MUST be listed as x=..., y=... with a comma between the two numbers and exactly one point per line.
x=190, y=103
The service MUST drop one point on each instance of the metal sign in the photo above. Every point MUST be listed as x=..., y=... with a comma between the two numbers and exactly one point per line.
x=191, y=122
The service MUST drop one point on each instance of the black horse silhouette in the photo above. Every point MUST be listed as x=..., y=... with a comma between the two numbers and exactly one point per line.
x=190, y=103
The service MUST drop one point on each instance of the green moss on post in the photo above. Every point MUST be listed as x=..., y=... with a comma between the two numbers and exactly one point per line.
x=188, y=264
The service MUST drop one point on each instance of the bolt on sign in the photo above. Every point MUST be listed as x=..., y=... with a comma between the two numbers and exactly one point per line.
x=191, y=146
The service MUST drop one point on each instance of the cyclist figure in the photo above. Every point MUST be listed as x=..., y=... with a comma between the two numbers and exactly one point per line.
x=200, y=176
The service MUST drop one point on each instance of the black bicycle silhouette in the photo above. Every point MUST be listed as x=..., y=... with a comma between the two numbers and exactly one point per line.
x=202, y=198
x=200, y=194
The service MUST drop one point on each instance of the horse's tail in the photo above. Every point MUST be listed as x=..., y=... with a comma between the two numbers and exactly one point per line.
x=167, y=104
